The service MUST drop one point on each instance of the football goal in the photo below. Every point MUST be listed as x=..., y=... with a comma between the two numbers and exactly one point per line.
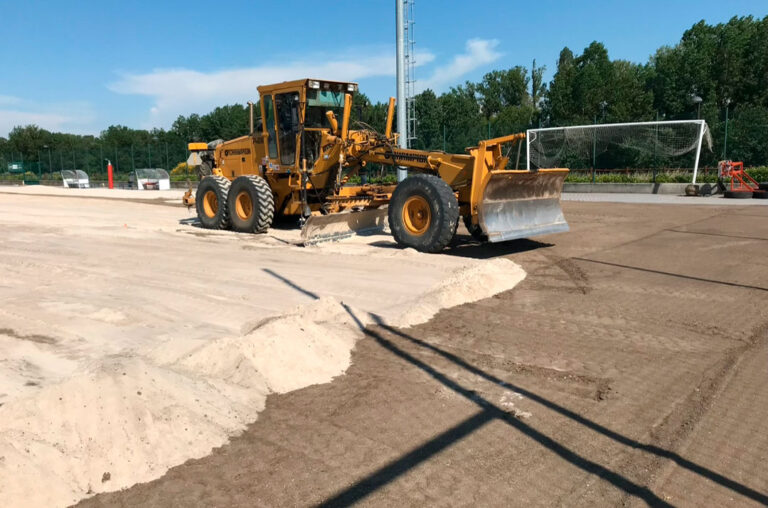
x=639, y=146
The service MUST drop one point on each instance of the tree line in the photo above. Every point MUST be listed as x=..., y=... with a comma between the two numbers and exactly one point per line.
x=715, y=72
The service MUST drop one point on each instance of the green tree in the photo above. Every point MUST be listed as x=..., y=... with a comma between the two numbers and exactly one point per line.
x=538, y=91
x=502, y=89
x=429, y=118
x=462, y=117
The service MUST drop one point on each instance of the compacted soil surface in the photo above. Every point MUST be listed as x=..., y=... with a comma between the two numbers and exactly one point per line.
x=630, y=367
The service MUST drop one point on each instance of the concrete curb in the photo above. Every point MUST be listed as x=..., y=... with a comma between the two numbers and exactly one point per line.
x=96, y=184
x=602, y=188
x=626, y=188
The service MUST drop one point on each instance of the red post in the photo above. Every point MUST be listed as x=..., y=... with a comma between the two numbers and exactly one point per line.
x=109, y=175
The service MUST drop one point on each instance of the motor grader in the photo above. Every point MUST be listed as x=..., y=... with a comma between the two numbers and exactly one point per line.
x=301, y=155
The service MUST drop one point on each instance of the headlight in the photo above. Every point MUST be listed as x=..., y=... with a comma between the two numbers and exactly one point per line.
x=313, y=84
x=351, y=87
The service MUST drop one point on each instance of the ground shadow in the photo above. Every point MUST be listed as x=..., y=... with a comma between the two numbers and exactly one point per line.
x=191, y=221
x=490, y=411
x=671, y=274
x=467, y=247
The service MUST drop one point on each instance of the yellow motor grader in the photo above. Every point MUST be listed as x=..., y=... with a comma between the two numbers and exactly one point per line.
x=299, y=160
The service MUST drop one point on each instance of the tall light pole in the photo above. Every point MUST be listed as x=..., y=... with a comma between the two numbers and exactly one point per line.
x=695, y=99
x=603, y=105
x=402, y=140
x=725, y=140
x=50, y=160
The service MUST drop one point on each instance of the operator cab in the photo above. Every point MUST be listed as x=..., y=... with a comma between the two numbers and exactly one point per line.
x=285, y=106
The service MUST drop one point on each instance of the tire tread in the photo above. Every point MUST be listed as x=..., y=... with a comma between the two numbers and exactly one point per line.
x=447, y=219
x=222, y=184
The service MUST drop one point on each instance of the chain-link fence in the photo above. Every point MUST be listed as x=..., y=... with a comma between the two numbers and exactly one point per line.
x=47, y=164
x=738, y=137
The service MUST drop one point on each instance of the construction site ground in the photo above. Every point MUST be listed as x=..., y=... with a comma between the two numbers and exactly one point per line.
x=629, y=367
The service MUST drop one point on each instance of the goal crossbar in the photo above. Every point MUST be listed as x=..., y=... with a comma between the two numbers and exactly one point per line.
x=701, y=131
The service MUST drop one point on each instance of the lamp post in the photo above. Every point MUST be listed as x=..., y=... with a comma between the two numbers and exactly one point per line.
x=696, y=100
x=603, y=106
x=725, y=140
x=50, y=160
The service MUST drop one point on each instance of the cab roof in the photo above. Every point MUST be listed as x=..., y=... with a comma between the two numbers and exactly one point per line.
x=299, y=83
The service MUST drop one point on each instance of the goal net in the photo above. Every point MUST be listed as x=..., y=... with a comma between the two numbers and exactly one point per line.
x=650, y=147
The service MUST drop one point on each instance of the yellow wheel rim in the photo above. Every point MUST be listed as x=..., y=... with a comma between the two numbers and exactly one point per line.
x=210, y=204
x=244, y=205
x=417, y=216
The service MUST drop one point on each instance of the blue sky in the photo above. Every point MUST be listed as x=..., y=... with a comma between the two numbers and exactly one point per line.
x=81, y=65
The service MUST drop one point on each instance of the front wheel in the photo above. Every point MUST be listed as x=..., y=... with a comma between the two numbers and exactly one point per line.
x=251, y=204
x=211, y=202
x=423, y=213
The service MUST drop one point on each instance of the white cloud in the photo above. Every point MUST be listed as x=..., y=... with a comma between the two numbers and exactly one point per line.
x=7, y=100
x=10, y=119
x=184, y=91
x=70, y=117
x=479, y=53
x=177, y=92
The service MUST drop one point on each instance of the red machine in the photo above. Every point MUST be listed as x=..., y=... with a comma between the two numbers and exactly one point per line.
x=742, y=185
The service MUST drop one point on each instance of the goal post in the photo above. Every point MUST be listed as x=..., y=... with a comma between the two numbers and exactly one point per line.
x=642, y=144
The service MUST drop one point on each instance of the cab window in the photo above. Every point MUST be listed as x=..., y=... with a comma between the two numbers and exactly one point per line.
x=318, y=103
x=271, y=138
x=287, y=105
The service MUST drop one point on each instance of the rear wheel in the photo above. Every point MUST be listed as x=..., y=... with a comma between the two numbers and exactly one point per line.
x=474, y=229
x=738, y=194
x=211, y=202
x=763, y=186
x=423, y=213
x=251, y=204
x=760, y=194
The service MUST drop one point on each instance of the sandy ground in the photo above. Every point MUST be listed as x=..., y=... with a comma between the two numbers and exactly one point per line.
x=123, y=322
x=173, y=196
x=668, y=199
x=628, y=368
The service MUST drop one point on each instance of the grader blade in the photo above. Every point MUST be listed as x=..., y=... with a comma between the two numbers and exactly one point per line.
x=337, y=226
x=521, y=204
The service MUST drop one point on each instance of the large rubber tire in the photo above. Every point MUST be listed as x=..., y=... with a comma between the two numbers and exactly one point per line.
x=204, y=169
x=738, y=194
x=251, y=204
x=721, y=186
x=211, y=202
x=474, y=229
x=760, y=194
x=423, y=213
x=763, y=186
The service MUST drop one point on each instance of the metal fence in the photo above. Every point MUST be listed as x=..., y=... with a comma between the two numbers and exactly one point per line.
x=47, y=164
x=730, y=141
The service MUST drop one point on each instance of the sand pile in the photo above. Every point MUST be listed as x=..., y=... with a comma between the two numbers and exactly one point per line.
x=131, y=418
x=480, y=280
x=128, y=418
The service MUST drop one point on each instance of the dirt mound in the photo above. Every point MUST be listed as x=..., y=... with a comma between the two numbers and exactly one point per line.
x=128, y=418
